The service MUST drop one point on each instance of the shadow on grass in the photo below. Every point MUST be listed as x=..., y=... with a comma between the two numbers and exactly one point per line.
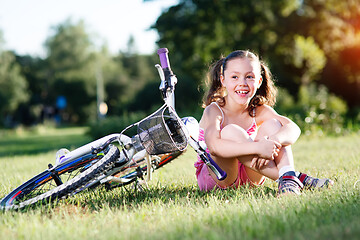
x=13, y=146
x=332, y=216
x=129, y=198
x=313, y=216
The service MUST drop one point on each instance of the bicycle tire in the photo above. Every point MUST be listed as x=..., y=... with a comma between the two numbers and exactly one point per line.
x=33, y=191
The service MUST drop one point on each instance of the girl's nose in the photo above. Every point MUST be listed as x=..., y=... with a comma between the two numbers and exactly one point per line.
x=242, y=81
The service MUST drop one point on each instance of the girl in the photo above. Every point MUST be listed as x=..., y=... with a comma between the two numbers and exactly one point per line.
x=245, y=136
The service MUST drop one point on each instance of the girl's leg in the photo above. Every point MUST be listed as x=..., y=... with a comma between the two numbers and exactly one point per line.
x=230, y=165
x=271, y=170
x=285, y=157
x=288, y=182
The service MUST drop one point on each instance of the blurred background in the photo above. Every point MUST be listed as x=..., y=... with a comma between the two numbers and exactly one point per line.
x=77, y=76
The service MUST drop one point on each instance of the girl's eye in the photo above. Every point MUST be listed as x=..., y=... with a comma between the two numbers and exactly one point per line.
x=234, y=77
x=250, y=77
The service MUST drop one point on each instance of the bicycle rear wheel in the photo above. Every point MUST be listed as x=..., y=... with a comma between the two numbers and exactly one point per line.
x=59, y=182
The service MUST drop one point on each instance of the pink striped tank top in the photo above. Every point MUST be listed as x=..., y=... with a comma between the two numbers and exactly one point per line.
x=251, y=131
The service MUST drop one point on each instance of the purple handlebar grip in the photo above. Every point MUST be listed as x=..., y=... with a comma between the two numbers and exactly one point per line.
x=220, y=174
x=164, y=59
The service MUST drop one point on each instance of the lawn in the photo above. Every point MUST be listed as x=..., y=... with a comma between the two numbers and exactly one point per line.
x=172, y=207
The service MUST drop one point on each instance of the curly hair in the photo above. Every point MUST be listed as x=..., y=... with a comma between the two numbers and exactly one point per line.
x=266, y=94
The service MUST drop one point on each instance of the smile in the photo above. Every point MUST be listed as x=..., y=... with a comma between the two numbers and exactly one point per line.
x=242, y=92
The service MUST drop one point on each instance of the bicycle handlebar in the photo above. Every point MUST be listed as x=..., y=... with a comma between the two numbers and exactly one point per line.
x=206, y=158
x=165, y=65
x=169, y=80
x=164, y=58
x=220, y=174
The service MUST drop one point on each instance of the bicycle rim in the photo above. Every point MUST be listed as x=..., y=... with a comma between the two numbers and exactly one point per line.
x=66, y=179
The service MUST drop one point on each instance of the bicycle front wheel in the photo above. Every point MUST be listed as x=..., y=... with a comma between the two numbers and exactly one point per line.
x=59, y=182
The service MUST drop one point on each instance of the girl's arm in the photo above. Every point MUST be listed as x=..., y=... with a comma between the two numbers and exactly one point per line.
x=223, y=148
x=288, y=133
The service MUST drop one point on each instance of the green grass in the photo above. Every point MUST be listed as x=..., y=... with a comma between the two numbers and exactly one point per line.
x=40, y=140
x=173, y=208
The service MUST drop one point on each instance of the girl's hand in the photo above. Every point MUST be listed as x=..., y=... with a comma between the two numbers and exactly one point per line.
x=268, y=150
x=258, y=162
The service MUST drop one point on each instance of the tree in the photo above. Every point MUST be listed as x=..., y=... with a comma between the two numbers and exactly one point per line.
x=282, y=32
x=138, y=92
x=13, y=86
x=72, y=68
x=32, y=68
x=198, y=32
x=335, y=26
x=1, y=41
x=69, y=51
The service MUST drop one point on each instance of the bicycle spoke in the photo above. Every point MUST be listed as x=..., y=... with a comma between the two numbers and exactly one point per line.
x=48, y=185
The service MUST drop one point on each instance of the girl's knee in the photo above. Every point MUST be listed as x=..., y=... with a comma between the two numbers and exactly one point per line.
x=272, y=124
x=269, y=127
x=234, y=132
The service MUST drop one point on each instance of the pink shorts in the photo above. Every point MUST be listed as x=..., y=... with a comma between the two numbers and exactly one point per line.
x=207, y=183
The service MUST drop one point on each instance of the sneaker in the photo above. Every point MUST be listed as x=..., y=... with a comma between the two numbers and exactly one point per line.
x=311, y=183
x=289, y=184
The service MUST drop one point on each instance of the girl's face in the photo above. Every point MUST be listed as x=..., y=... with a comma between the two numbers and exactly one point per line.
x=241, y=79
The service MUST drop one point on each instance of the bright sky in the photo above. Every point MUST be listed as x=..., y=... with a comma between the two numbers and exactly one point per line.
x=26, y=24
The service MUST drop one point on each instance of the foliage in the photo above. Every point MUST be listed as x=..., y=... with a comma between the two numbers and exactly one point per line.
x=315, y=111
x=1, y=41
x=76, y=70
x=295, y=37
x=115, y=124
x=69, y=51
x=30, y=112
x=221, y=28
x=13, y=86
x=307, y=55
x=335, y=26
x=139, y=92
x=71, y=67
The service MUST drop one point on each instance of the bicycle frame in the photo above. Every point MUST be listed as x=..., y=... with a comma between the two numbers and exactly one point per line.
x=130, y=149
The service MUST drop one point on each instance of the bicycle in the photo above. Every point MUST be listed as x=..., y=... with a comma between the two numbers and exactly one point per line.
x=161, y=137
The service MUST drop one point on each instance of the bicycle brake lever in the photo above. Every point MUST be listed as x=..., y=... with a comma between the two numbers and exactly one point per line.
x=162, y=86
x=161, y=72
